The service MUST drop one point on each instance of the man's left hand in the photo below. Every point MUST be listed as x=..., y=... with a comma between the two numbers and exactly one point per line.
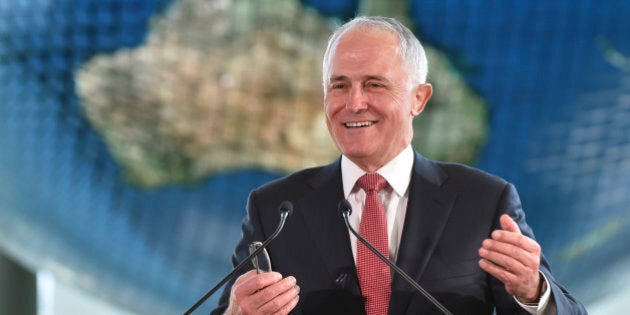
x=514, y=259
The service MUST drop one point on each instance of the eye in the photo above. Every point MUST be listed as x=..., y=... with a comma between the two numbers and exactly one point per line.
x=337, y=86
x=374, y=85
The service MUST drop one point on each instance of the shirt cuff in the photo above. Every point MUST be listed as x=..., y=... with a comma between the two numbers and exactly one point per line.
x=545, y=304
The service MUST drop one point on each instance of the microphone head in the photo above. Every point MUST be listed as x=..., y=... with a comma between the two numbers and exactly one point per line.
x=344, y=207
x=286, y=207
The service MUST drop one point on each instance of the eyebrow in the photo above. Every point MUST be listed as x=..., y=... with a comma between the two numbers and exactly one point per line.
x=338, y=78
x=364, y=78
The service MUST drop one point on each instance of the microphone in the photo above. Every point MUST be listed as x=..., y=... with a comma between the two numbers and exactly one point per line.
x=286, y=209
x=346, y=209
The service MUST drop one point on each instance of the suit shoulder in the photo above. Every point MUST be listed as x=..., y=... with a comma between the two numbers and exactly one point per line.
x=462, y=173
x=290, y=182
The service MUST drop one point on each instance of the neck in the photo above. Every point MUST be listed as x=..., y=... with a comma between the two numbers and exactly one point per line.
x=370, y=165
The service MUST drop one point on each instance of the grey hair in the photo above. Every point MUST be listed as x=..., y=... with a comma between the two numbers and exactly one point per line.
x=410, y=48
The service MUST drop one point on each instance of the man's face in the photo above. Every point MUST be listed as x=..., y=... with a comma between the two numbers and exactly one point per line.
x=369, y=101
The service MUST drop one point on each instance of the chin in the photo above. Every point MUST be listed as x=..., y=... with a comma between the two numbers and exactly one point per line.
x=357, y=153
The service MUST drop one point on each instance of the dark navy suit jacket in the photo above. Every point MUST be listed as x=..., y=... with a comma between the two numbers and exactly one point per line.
x=452, y=208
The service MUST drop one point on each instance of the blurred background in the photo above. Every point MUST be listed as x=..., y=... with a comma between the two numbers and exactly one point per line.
x=132, y=131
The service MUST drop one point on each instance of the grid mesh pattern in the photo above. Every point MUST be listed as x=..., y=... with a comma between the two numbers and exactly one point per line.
x=555, y=74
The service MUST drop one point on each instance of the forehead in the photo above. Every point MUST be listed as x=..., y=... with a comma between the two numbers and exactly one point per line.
x=364, y=48
x=366, y=37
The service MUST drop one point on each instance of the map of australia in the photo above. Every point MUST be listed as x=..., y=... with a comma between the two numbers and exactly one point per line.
x=206, y=94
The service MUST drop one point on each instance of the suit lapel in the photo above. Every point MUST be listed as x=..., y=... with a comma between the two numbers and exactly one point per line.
x=428, y=210
x=325, y=224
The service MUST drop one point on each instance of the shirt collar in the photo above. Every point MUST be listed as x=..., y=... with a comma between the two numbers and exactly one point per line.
x=397, y=172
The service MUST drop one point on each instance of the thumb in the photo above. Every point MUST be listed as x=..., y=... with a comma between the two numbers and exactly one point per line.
x=509, y=225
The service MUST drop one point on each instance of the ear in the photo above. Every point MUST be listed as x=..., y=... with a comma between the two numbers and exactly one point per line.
x=422, y=94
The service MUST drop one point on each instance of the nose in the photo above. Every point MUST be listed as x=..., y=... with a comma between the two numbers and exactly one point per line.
x=357, y=100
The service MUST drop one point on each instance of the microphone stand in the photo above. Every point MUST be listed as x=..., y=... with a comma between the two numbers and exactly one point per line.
x=286, y=208
x=346, y=209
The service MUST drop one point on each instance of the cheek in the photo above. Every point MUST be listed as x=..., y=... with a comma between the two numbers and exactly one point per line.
x=329, y=116
x=327, y=111
x=331, y=107
x=328, y=122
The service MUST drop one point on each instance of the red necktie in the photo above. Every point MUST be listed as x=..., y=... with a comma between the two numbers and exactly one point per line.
x=374, y=274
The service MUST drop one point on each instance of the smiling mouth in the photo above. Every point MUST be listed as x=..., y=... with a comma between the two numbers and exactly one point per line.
x=359, y=124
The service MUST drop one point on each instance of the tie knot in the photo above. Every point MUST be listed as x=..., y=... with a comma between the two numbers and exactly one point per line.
x=372, y=182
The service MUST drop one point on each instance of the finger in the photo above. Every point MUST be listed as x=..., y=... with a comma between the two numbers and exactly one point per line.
x=508, y=263
x=509, y=225
x=282, y=301
x=244, y=277
x=252, y=282
x=498, y=272
x=519, y=262
x=289, y=307
x=516, y=239
x=275, y=296
x=519, y=278
x=525, y=286
x=241, y=280
x=528, y=254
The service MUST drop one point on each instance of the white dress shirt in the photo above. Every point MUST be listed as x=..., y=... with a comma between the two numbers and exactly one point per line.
x=394, y=197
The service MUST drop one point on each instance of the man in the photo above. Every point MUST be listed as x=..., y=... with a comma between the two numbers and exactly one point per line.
x=459, y=232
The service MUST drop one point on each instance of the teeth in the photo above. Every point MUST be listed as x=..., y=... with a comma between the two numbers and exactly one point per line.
x=358, y=124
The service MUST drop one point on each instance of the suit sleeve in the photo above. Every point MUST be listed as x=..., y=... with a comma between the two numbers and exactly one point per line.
x=510, y=204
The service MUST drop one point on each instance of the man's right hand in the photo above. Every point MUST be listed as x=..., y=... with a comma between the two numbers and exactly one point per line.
x=266, y=293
